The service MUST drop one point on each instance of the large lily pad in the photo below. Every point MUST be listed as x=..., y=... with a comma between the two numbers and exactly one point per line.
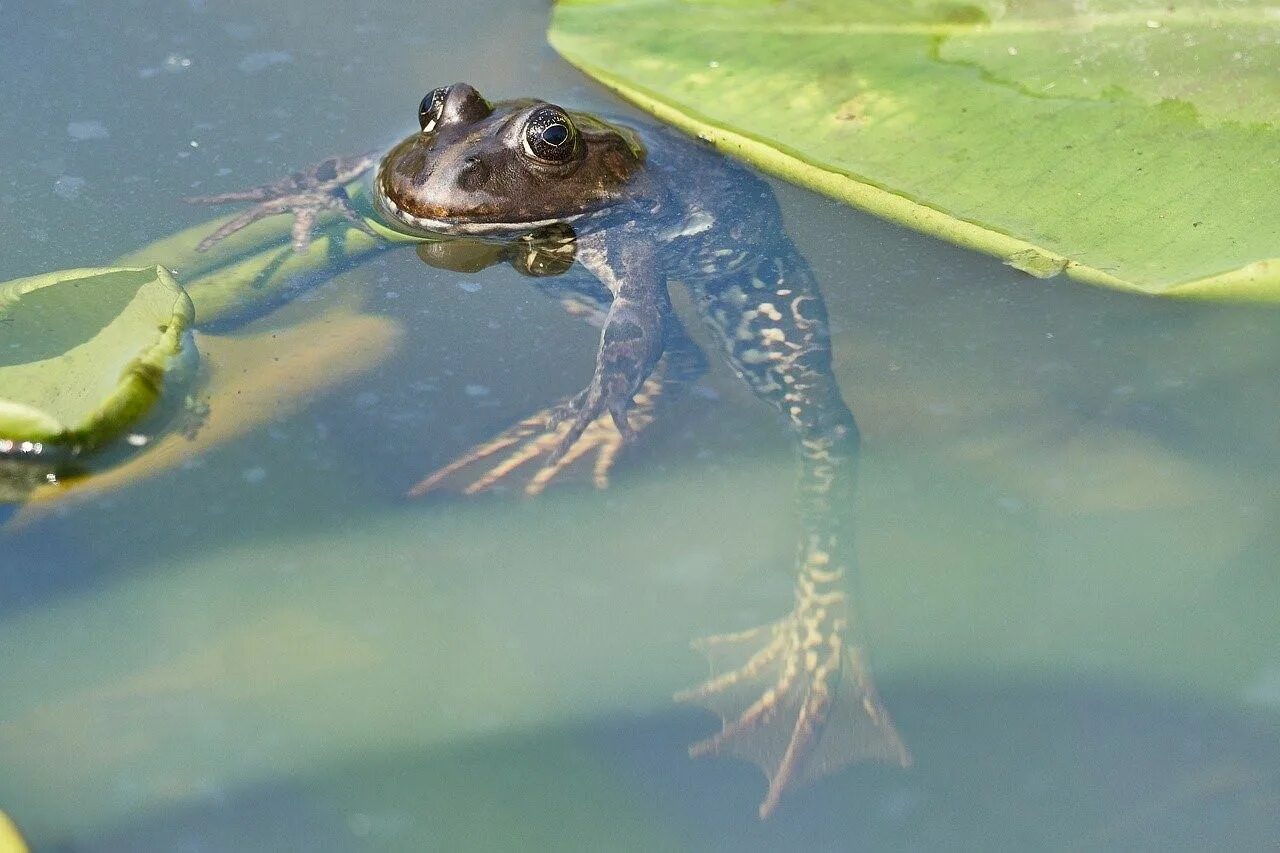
x=1129, y=144
x=84, y=353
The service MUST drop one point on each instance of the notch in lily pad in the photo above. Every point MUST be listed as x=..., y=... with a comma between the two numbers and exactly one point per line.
x=84, y=354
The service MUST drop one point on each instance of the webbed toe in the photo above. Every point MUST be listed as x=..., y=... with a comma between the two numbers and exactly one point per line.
x=305, y=194
x=797, y=702
x=555, y=439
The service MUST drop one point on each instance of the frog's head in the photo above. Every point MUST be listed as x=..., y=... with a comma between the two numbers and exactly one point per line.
x=478, y=168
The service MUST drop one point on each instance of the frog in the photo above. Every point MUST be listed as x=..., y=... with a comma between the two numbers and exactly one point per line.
x=633, y=208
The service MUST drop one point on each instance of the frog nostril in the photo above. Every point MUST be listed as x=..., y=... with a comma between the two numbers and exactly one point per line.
x=473, y=173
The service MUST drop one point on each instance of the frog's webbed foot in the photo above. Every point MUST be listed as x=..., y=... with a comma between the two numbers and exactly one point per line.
x=795, y=700
x=604, y=404
x=542, y=437
x=306, y=194
x=631, y=346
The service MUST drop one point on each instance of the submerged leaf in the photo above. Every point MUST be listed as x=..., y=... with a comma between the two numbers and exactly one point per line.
x=84, y=353
x=257, y=269
x=1127, y=144
x=253, y=380
x=10, y=840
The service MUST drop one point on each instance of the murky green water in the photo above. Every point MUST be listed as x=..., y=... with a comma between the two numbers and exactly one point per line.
x=1069, y=574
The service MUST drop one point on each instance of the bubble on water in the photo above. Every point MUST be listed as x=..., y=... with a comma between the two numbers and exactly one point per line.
x=174, y=63
x=85, y=130
x=256, y=62
x=68, y=187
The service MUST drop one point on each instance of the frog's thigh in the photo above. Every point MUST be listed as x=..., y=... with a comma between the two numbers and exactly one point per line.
x=771, y=321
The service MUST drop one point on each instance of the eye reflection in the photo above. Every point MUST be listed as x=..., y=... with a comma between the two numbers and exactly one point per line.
x=460, y=255
x=546, y=252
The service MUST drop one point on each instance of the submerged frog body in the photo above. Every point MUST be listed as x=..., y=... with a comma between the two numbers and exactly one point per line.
x=562, y=190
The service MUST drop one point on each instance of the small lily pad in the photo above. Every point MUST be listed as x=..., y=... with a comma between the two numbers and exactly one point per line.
x=84, y=353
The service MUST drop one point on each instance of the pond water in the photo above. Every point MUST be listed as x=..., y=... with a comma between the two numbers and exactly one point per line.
x=1067, y=549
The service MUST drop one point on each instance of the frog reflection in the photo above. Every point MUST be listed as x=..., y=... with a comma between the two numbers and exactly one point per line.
x=554, y=193
x=546, y=252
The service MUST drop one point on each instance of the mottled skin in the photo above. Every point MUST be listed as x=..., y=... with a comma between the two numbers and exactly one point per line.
x=795, y=695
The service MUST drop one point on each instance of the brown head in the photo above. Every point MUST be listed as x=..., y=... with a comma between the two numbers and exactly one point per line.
x=479, y=168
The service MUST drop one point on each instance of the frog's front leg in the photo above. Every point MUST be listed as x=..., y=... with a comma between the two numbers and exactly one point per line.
x=626, y=384
x=796, y=696
x=632, y=340
x=539, y=438
x=305, y=194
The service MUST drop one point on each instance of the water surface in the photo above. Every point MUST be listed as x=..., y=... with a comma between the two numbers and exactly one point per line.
x=1066, y=516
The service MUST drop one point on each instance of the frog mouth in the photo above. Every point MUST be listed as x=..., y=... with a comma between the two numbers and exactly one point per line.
x=455, y=225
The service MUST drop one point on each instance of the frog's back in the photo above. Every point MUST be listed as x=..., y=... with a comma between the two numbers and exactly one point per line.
x=716, y=216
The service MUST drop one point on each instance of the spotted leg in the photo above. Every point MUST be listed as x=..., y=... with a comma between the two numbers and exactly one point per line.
x=548, y=443
x=796, y=696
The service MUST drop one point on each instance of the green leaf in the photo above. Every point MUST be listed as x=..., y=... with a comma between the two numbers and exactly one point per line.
x=1127, y=144
x=84, y=352
x=10, y=840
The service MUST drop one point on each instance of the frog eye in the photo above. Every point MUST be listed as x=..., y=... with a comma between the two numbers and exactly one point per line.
x=549, y=136
x=430, y=109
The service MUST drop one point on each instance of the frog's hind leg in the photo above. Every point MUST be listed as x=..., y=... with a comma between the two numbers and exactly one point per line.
x=796, y=697
x=536, y=443
x=796, y=700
